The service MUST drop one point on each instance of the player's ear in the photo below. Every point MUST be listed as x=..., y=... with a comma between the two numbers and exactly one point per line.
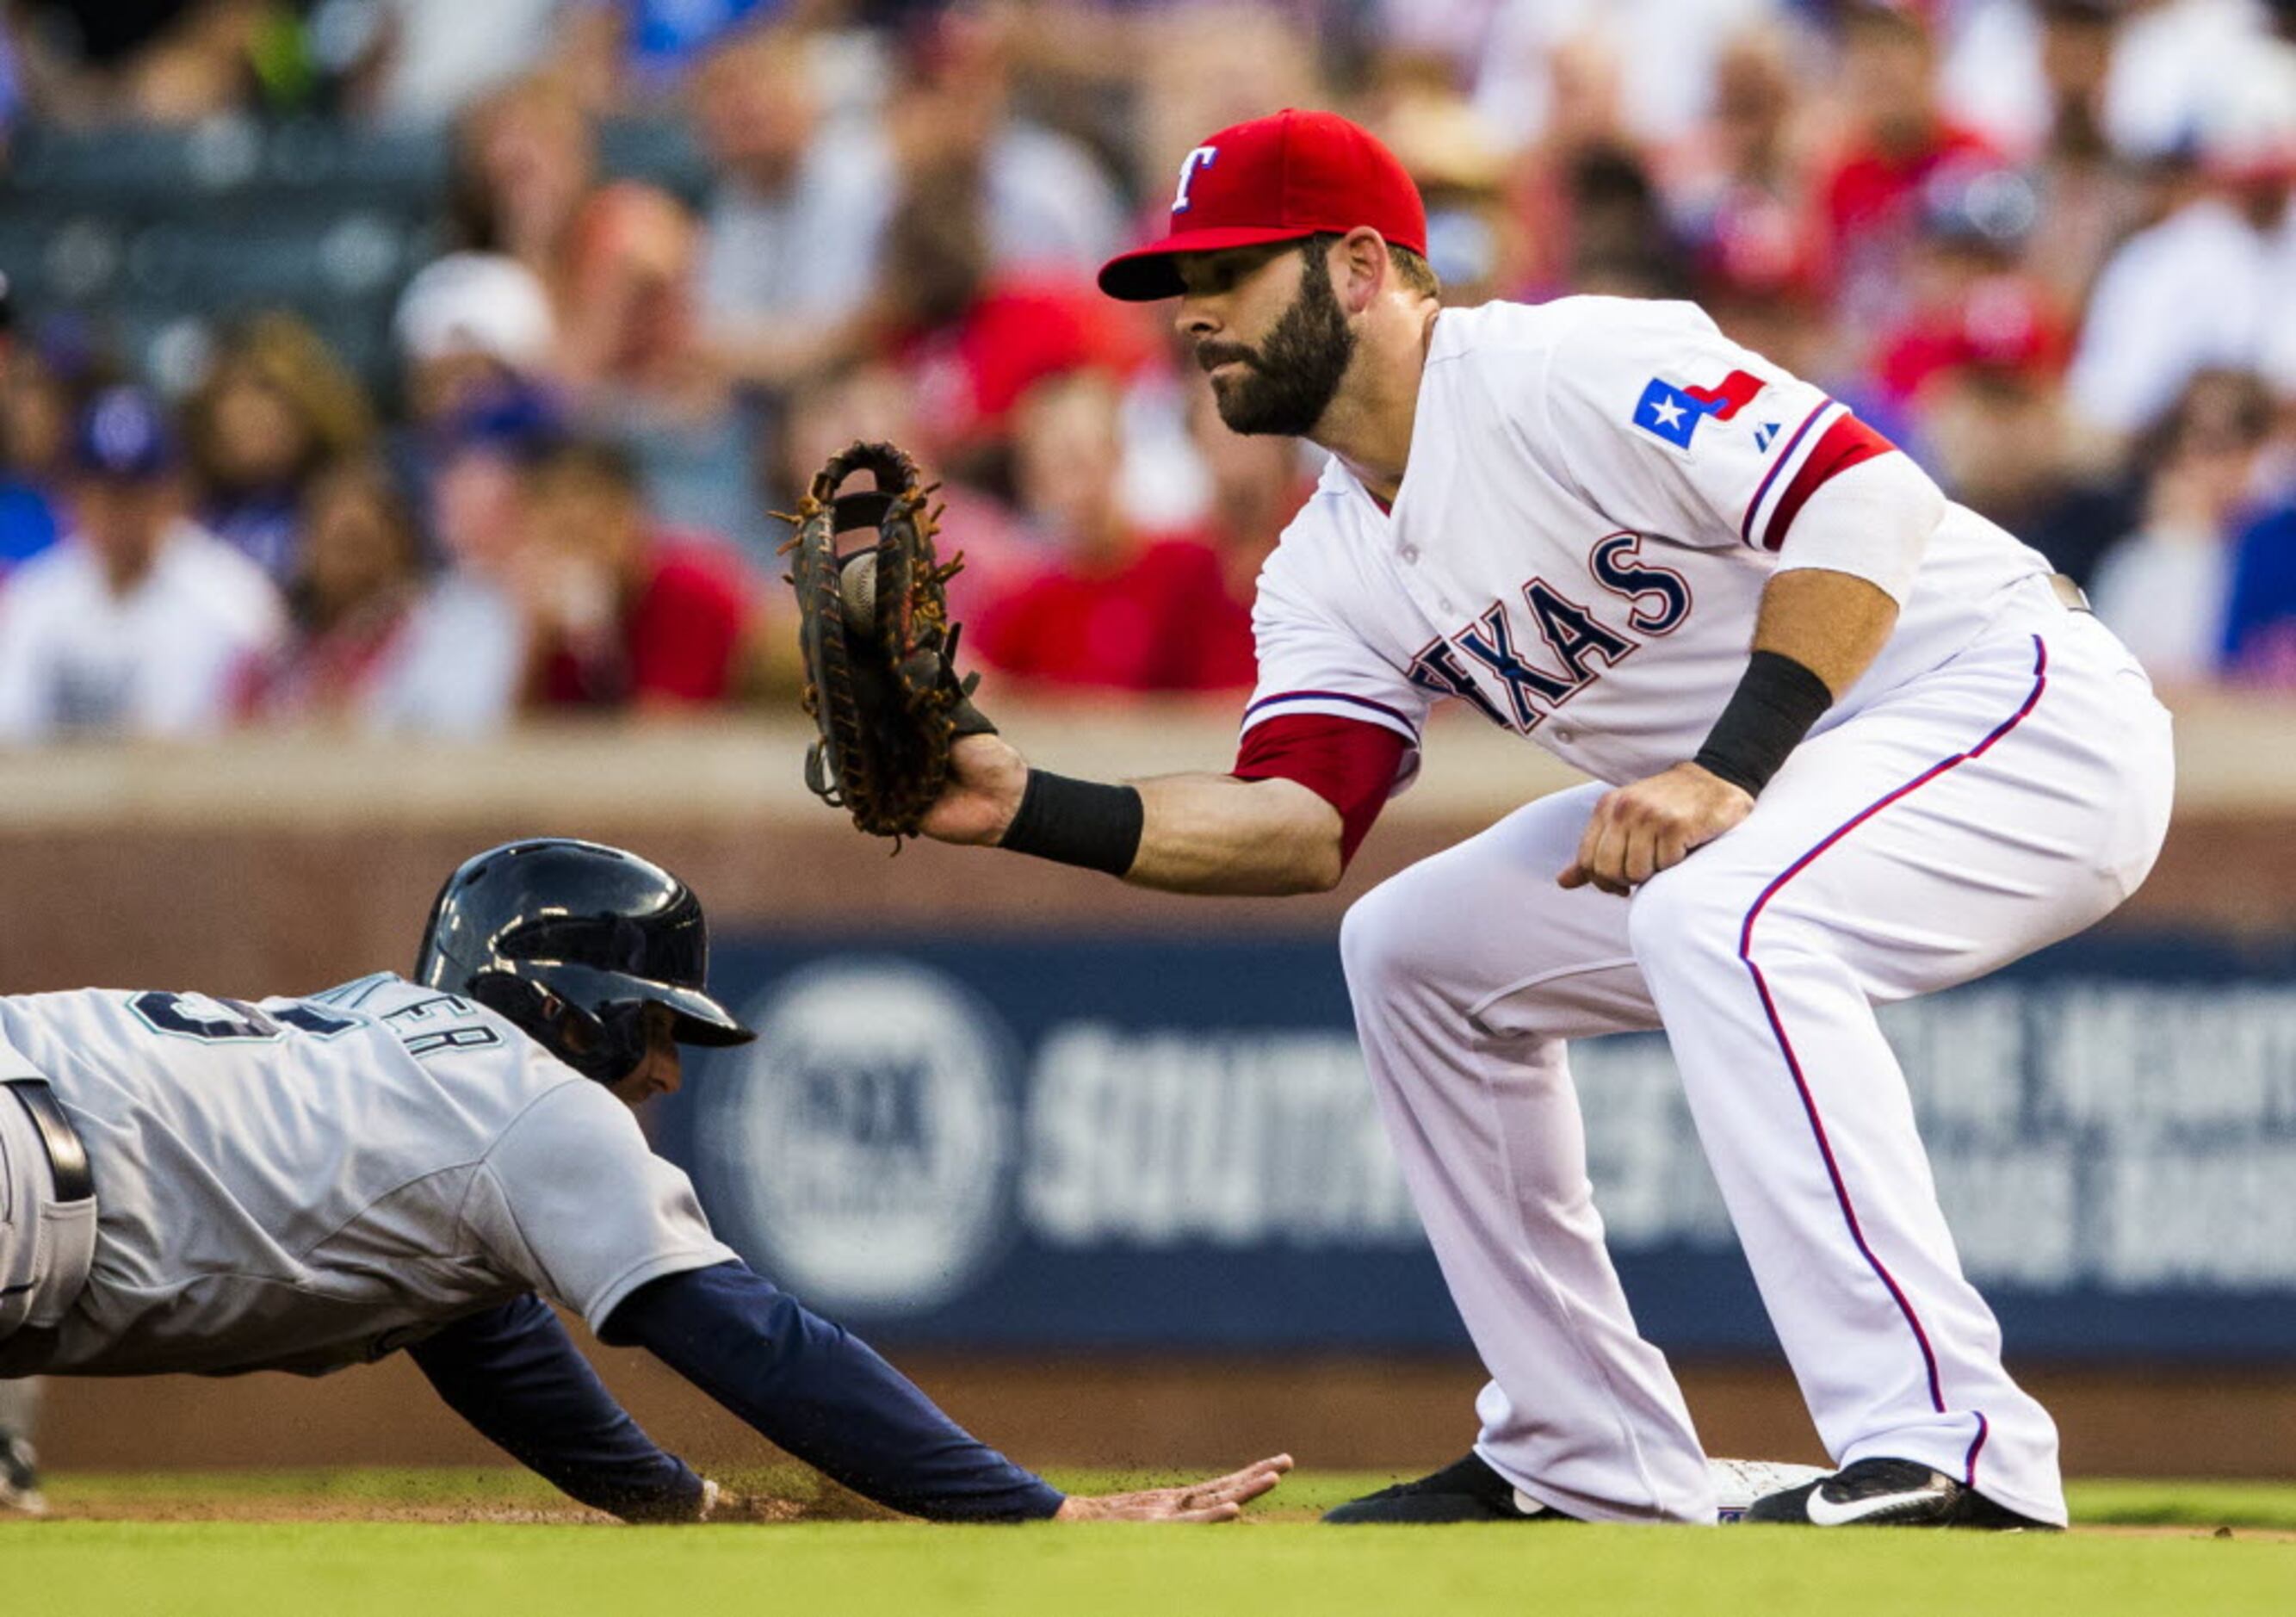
x=1360, y=270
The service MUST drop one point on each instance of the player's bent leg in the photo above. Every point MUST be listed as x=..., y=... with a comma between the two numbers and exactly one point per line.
x=1991, y=809
x=1468, y=972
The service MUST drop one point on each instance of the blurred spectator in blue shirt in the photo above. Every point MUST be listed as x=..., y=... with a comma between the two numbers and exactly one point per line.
x=2259, y=645
x=662, y=40
x=141, y=622
x=27, y=522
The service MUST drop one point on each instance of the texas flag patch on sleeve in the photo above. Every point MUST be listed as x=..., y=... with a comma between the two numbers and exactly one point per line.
x=1672, y=414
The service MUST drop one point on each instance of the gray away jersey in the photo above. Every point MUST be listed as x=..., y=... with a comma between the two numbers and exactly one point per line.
x=308, y=1183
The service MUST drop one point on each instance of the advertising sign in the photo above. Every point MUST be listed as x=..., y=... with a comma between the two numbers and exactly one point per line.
x=1092, y=1142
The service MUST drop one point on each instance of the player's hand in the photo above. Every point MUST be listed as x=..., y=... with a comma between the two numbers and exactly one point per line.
x=1221, y=1499
x=723, y=1505
x=1640, y=830
x=985, y=777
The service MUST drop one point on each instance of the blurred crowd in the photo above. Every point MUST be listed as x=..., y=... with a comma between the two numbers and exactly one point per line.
x=2045, y=245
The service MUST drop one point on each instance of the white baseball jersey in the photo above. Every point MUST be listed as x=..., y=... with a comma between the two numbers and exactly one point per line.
x=306, y=1184
x=1597, y=494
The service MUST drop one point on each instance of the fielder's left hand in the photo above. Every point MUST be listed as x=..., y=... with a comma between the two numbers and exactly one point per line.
x=1637, y=831
x=1221, y=1499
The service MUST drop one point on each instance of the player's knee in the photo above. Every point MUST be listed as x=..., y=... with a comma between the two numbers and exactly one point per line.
x=1686, y=914
x=1383, y=937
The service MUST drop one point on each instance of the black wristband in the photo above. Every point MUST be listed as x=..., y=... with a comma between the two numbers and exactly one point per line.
x=1769, y=714
x=1076, y=822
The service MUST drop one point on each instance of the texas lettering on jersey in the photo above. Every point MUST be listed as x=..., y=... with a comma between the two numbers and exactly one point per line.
x=1578, y=645
x=1600, y=490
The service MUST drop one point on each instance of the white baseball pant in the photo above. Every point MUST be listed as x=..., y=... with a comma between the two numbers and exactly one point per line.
x=2001, y=801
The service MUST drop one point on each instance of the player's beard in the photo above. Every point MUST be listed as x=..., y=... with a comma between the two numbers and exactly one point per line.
x=1286, y=384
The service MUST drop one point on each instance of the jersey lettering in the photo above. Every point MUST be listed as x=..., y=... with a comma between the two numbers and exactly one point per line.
x=1526, y=686
x=1618, y=566
x=213, y=1021
x=1437, y=669
x=1570, y=629
x=451, y=1038
x=1572, y=633
x=316, y=1022
x=423, y=1010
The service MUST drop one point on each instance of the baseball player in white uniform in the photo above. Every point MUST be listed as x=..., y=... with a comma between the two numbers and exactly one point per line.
x=201, y=1185
x=1850, y=743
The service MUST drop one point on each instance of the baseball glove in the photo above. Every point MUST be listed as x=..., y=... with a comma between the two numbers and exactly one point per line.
x=880, y=680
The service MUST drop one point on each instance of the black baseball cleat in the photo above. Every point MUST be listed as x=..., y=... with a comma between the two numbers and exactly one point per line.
x=1467, y=1490
x=19, y=1476
x=1890, y=1493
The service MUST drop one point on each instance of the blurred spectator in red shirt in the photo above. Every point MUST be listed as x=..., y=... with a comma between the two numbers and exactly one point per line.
x=1968, y=302
x=1897, y=139
x=1739, y=192
x=623, y=613
x=359, y=575
x=274, y=406
x=875, y=401
x=1122, y=610
x=973, y=341
x=1993, y=428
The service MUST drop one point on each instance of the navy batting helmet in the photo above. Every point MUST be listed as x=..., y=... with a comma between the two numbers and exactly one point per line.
x=571, y=941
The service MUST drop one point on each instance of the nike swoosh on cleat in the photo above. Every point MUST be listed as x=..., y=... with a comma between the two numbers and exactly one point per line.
x=1825, y=1513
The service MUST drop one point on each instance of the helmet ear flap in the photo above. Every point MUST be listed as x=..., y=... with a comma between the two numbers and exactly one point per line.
x=564, y=1029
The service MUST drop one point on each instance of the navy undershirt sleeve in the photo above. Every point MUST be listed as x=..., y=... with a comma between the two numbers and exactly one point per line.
x=514, y=1374
x=824, y=1395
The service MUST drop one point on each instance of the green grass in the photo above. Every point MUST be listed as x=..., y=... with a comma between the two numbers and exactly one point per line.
x=1281, y=1563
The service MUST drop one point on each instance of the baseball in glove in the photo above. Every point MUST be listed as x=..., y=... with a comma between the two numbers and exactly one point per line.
x=880, y=680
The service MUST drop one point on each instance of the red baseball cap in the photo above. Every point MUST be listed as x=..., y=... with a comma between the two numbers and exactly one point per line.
x=1279, y=178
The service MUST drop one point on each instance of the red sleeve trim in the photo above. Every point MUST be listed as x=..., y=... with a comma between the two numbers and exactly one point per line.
x=1843, y=444
x=1350, y=763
